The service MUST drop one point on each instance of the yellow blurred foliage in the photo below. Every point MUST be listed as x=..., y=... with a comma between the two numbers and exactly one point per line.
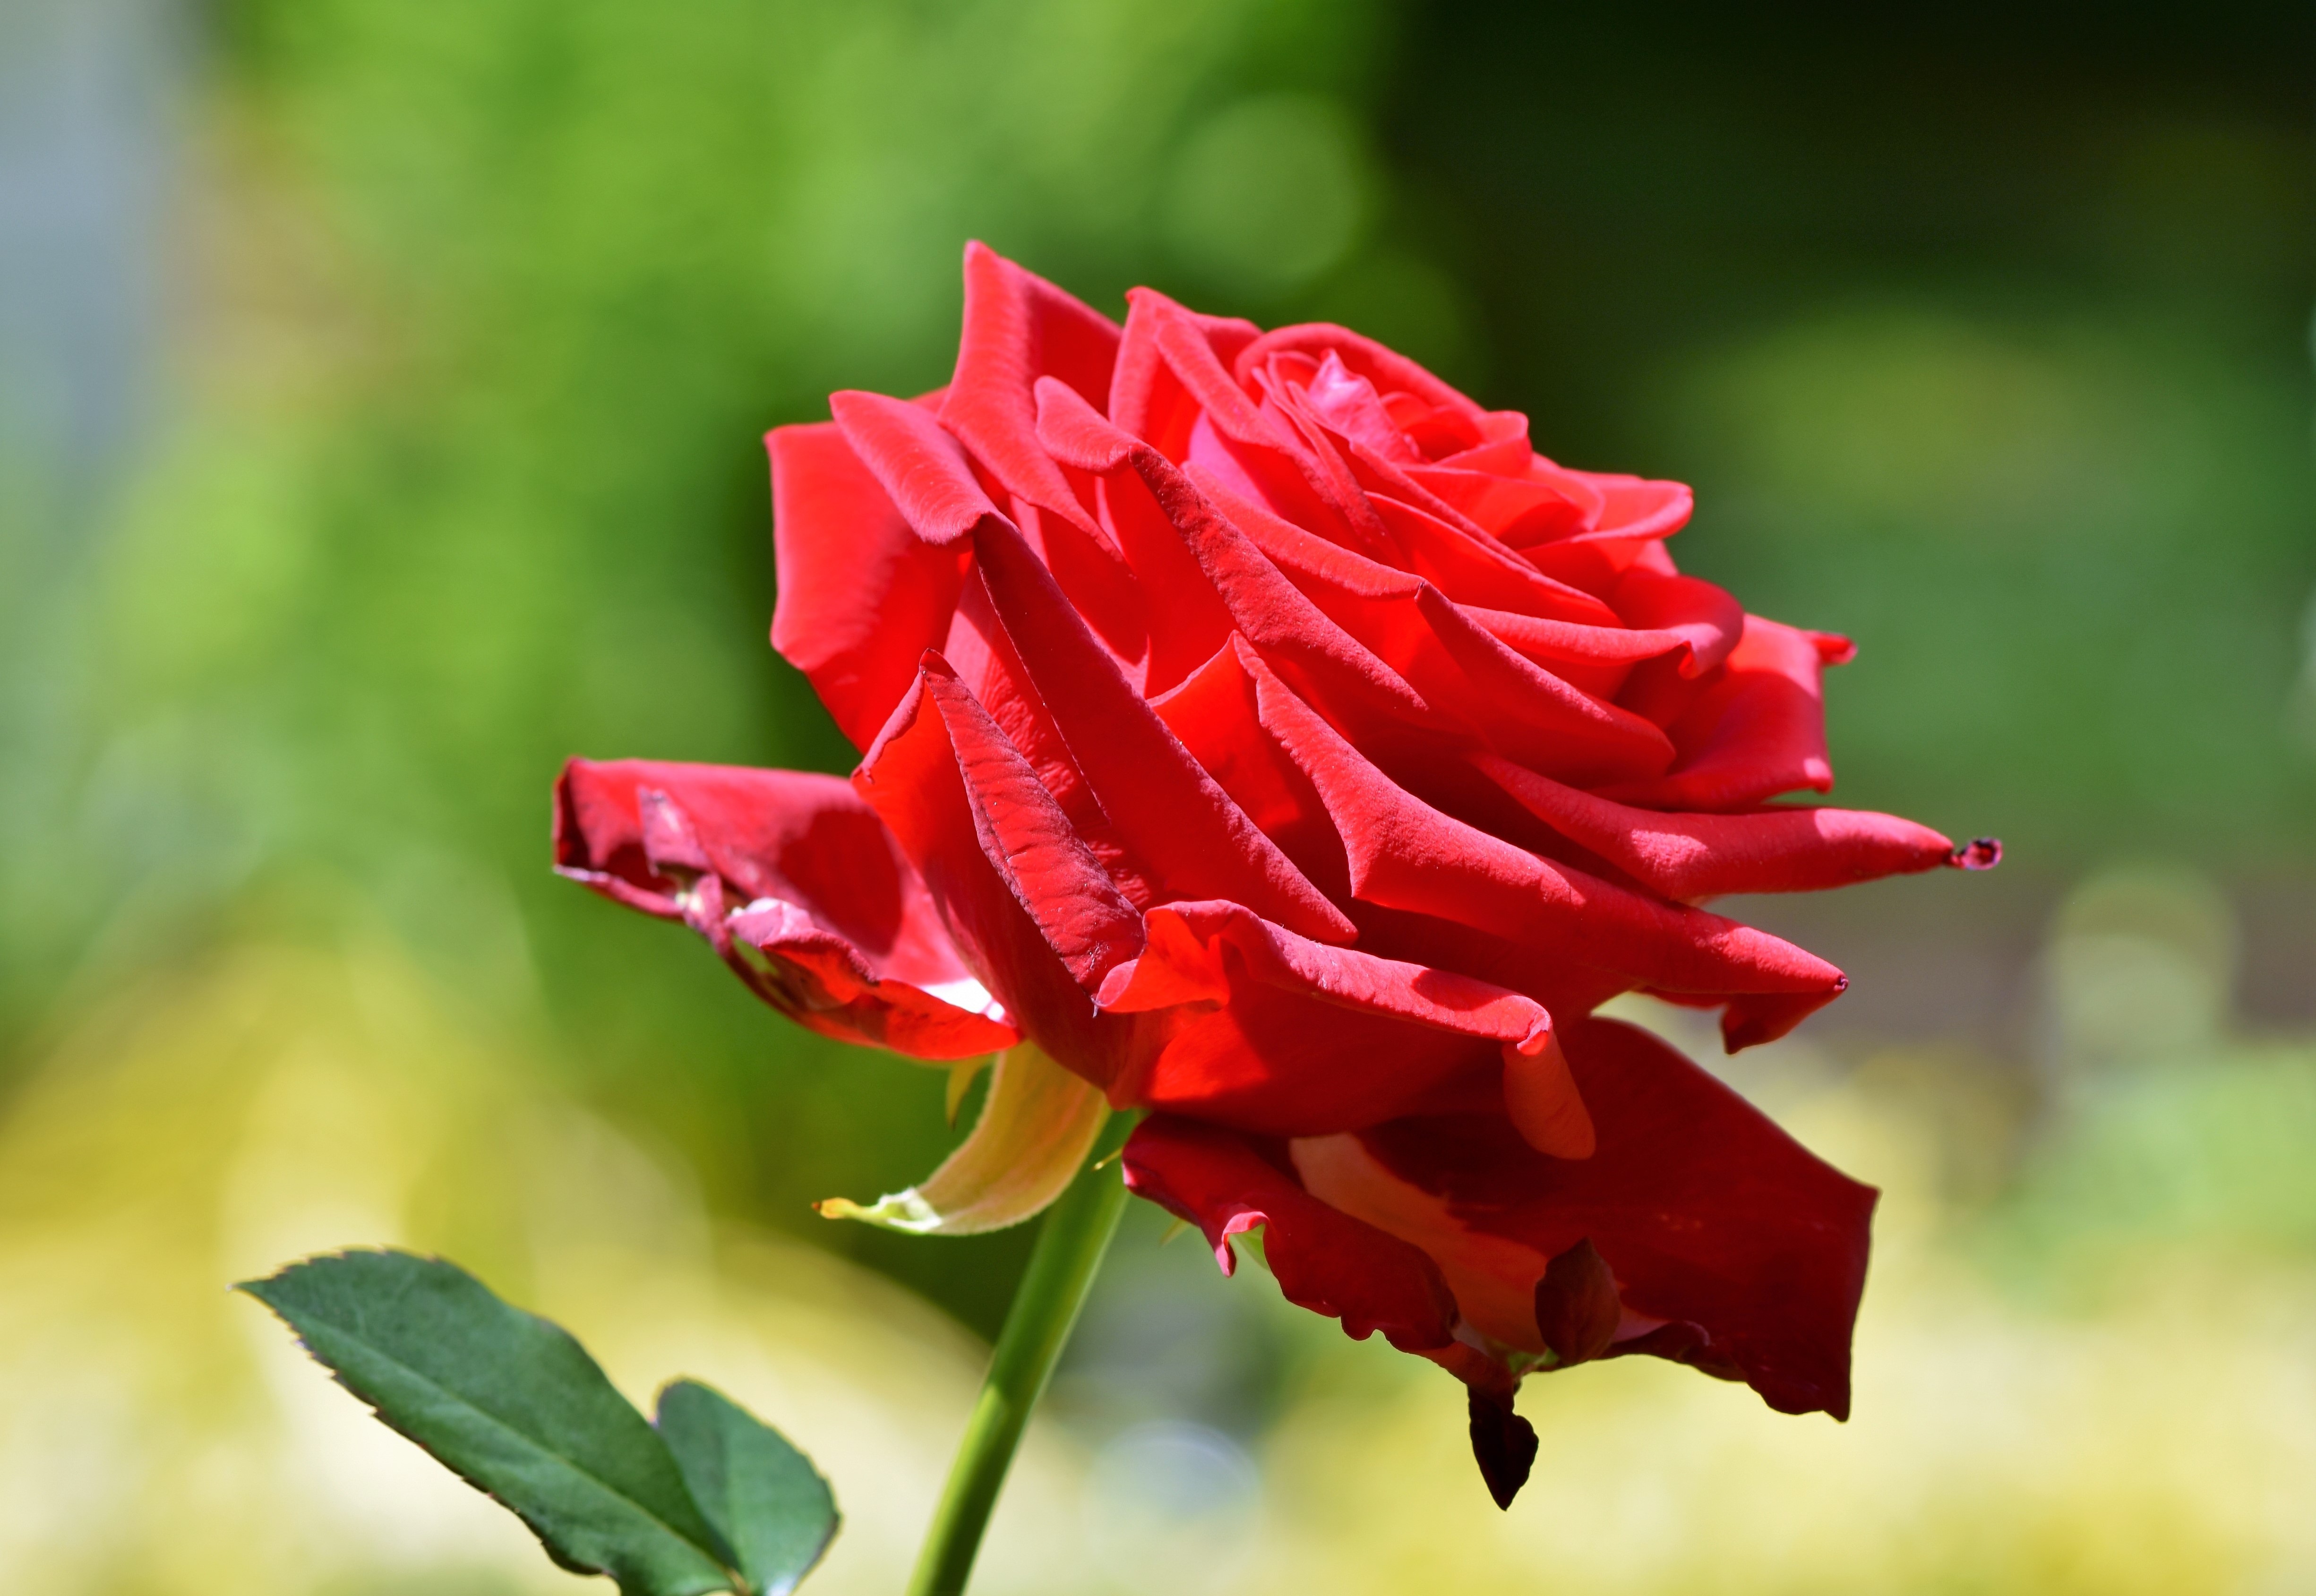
x=2165, y=1442
x=159, y=1434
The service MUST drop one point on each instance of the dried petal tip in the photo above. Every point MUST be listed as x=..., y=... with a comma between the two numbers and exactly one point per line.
x=1505, y=1445
x=1981, y=854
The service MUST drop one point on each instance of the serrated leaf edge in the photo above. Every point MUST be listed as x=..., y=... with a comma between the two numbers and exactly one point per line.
x=735, y=1581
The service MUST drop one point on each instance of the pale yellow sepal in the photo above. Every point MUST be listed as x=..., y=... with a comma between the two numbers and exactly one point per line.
x=961, y=1077
x=1035, y=1130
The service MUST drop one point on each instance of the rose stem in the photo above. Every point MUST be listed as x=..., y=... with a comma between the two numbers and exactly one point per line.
x=1075, y=1234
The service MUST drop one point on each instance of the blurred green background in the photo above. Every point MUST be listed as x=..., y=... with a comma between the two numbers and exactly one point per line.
x=381, y=389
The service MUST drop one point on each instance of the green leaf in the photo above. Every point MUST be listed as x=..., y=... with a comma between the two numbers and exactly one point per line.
x=763, y=1496
x=513, y=1405
x=1036, y=1128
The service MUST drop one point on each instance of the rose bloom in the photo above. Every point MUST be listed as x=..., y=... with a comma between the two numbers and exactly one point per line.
x=1269, y=733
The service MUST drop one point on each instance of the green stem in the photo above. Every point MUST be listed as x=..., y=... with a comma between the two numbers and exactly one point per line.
x=1075, y=1234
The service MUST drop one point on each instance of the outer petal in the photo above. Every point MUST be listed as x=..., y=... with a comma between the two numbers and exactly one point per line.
x=1217, y=714
x=1024, y=836
x=861, y=595
x=923, y=469
x=796, y=867
x=1476, y=570
x=1145, y=397
x=1166, y=808
x=1018, y=329
x=1732, y=1247
x=1404, y=854
x=1272, y=1032
x=1448, y=658
x=1690, y=857
x=915, y=777
x=1754, y=729
x=1701, y=614
x=1323, y=1259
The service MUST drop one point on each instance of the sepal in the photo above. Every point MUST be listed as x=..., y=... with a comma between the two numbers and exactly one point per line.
x=1034, y=1133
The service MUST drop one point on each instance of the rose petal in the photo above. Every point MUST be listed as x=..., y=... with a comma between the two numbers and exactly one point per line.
x=1165, y=808
x=1690, y=857
x=1405, y=855
x=795, y=866
x=1479, y=571
x=1322, y=1259
x=1023, y=832
x=1214, y=712
x=1705, y=1211
x=1753, y=730
x=861, y=594
x=1019, y=328
x=912, y=777
x=1269, y=1031
x=923, y=469
x=1146, y=399
x=1387, y=369
x=1703, y=616
x=1257, y=601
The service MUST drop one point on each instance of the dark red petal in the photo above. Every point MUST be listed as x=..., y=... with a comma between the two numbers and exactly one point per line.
x=1690, y=857
x=791, y=864
x=1191, y=622
x=1706, y=1212
x=1517, y=511
x=1324, y=1261
x=1635, y=507
x=1184, y=963
x=861, y=594
x=1450, y=661
x=1020, y=330
x=1534, y=716
x=1568, y=649
x=983, y=656
x=1166, y=808
x=1576, y=1308
x=1215, y=714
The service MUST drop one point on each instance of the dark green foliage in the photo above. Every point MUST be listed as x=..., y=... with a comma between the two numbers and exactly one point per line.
x=515, y=1406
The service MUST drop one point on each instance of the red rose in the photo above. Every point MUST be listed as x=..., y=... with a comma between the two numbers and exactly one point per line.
x=1269, y=733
